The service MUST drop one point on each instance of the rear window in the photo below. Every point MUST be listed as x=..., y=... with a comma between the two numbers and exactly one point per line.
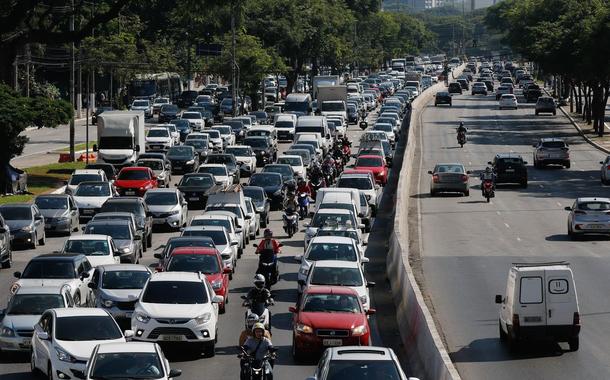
x=509, y=161
x=594, y=206
x=530, y=290
x=553, y=144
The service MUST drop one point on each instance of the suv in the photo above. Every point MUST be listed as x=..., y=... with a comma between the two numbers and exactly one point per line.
x=551, y=151
x=510, y=168
x=546, y=104
x=442, y=97
x=455, y=88
x=177, y=307
x=361, y=362
x=532, y=92
x=140, y=211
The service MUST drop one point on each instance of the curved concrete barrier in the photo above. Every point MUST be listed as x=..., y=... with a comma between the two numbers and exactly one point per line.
x=423, y=345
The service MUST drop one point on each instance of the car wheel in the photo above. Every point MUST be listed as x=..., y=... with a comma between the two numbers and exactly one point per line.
x=467, y=193
x=432, y=193
x=296, y=354
x=9, y=260
x=210, y=348
x=503, y=335
x=49, y=371
x=43, y=241
x=574, y=343
x=34, y=242
x=149, y=239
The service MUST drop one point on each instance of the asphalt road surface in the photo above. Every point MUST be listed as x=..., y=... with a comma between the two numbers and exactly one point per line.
x=469, y=245
x=225, y=365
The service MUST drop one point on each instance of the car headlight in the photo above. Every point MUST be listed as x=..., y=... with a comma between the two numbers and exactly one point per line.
x=203, y=318
x=364, y=299
x=125, y=250
x=380, y=174
x=217, y=284
x=303, y=328
x=108, y=303
x=190, y=162
x=7, y=332
x=26, y=229
x=142, y=317
x=175, y=212
x=64, y=356
x=359, y=330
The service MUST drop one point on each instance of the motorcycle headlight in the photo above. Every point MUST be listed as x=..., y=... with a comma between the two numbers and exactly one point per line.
x=203, y=318
x=190, y=162
x=303, y=328
x=359, y=330
x=108, y=303
x=7, y=332
x=64, y=356
x=142, y=317
x=217, y=284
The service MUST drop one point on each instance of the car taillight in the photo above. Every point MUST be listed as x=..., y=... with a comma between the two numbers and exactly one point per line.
x=516, y=322
x=435, y=178
x=464, y=178
x=576, y=319
x=608, y=167
x=580, y=212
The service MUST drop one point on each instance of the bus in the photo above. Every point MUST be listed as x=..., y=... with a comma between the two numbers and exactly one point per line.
x=151, y=86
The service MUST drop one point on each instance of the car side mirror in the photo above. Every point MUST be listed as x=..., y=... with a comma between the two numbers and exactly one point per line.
x=524, y=162
x=158, y=256
x=292, y=309
x=174, y=373
x=248, y=217
x=137, y=237
x=17, y=274
x=234, y=242
x=429, y=171
x=42, y=335
x=92, y=285
x=370, y=311
x=138, y=148
x=568, y=208
x=489, y=163
x=116, y=253
x=534, y=145
x=371, y=284
x=84, y=275
x=365, y=260
x=217, y=299
x=302, y=282
x=499, y=298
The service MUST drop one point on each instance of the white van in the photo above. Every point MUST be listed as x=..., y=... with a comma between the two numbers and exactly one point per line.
x=284, y=125
x=540, y=302
x=354, y=196
x=315, y=124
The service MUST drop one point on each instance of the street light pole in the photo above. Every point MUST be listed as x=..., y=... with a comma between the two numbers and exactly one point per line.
x=72, y=85
x=233, y=58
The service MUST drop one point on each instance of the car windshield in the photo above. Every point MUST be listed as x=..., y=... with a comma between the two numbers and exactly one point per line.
x=140, y=103
x=197, y=144
x=265, y=180
x=205, y=181
x=88, y=247
x=283, y=170
x=158, y=133
x=284, y=124
x=161, y=101
x=33, y=304
x=179, y=123
x=217, y=236
x=212, y=134
x=132, y=207
x=383, y=127
x=116, y=231
x=332, y=232
x=92, y=190
x=126, y=365
x=509, y=161
x=223, y=130
x=324, y=219
x=594, y=206
x=225, y=159
x=212, y=222
x=153, y=164
x=214, y=170
x=131, y=175
x=332, y=106
x=369, y=162
x=256, y=143
x=331, y=251
x=49, y=269
x=336, y=276
x=191, y=115
x=175, y=292
x=292, y=161
x=355, y=183
x=449, y=169
x=344, y=303
x=164, y=198
x=169, y=108
x=256, y=194
x=206, y=264
x=239, y=151
x=78, y=178
x=124, y=279
x=51, y=203
x=85, y=327
x=363, y=369
x=234, y=209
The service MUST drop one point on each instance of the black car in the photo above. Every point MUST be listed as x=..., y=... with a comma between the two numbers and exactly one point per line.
x=510, y=168
x=139, y=209
x=442, y=97
x=532, y=93
x=284, y=169
x=108, y=169
x=184, y=159
x=489, y=84
x=196, y=188
x=261, y=202
x=273, y=185
x=455, y=88
x=263, y=147
x=261, y=116
x=238, y=128
x=546, y=104
x=352, y=113
x=187, y=98
x=228, y=160
x=464, y=84
x=201, y=147
x=183, y=126
x=168, y=112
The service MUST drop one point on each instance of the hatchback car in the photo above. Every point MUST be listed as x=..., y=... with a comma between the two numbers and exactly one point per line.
x=59, y=211
x=219, y=171
x=140, y=211
x=449, y=177
x=135, y=181
x=546, y=104
x=184, y=159
x=374, y=164
x=510, y=168
x=442, y=97
x=99, y=249
x=479, y=88
x=26, y=224
x=196, y=188
x=589, y=216
x=551, y=151
x=168, y=207
x=508, y=101
x=90, y=196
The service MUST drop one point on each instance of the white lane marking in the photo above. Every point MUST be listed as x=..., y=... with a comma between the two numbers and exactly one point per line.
x=559, y=204
x=540, y=186
x=498, y=212
x=506, y=224
x=518, y=238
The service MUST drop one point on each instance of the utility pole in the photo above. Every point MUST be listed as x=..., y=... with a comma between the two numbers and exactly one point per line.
x=79, y=94
x=233, y=57
x=188, y=62
x=72, y=83
x=92, y=69
x=28, y=58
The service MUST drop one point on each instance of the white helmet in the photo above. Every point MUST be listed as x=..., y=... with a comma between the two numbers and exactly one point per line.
x=259, y=281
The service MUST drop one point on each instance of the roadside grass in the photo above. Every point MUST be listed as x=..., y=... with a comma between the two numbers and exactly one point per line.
x=44, y=179
x=77, y=147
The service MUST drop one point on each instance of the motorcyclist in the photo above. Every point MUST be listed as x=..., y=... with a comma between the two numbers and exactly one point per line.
x=304, y=187
x=461, y=129
x=259, y=294
x=291, y=203
x=258, y=346
x=487, y=175
x=329, y=166
x=251, y=320
x=268, y=243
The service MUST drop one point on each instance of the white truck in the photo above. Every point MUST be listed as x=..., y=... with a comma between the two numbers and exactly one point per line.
x=120, y=136
x=325, y=80
x=332, y=100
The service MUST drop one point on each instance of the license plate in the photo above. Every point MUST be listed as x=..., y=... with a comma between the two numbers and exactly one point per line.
x=332, y=342
x=510, y=170
x=26, y=343
x=178, y=167
x=173, y=338
x=193, y=198
x=533, y=319
x=130, y=193
x=87, y=211
x=595, y=226
x=158, y=221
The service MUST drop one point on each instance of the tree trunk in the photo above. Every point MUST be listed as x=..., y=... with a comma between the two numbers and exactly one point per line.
x=571, y=96
x=579, y=99
x=589, y=101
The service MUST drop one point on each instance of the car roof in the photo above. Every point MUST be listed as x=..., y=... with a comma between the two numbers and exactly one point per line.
x=126, y=347
x=337, y=264
x=355, y=353
x=327, y=289
x=205, y=228
x=110, y=222
x=212, y=216
x=45, y=289
x=163, y=190
x=88, y=237
x=549, y=139
x=59, y=256
x=332, y=240
x=333, y=211
x=53, y=196
x=194, y=251
x=87, y=171
x=508, y=155
x=123, y=267
x=592, y=199
x=213, y=165
x=80, y=311
x=135, y=168
x=175, y=276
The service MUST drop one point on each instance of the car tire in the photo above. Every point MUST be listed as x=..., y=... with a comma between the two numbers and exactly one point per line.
x=567, y=165
x=467, y=193
x=432, y=193
x=43, y=241
x=34, y=242
x=50, y=371
x=297, y=356
x=210, y=348
x=503, y=335
x=574, y=343
x=9, y=260
x=149, y=240
x=35, y=371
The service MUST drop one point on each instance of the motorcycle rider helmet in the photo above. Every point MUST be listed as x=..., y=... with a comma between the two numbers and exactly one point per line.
x=488, y=170
x=461, y=124
x=268, y=234
x=259, y=281
x=251, y=320
x=258, y=326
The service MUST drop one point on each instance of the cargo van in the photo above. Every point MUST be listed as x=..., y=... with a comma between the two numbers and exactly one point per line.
x=315, y=124
x=353, y=193
x=540, y=303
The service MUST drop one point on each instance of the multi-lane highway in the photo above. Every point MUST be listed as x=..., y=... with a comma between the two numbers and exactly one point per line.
x=468, y=245
x=225, y=365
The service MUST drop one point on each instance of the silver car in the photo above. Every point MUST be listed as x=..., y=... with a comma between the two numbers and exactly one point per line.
x=168, y=207
x=551, y=151
x=449, y=178
x=589, y=216
x=59, y=211
x=162, y=172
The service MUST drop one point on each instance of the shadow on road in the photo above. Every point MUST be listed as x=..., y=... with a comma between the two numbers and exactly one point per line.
x=492, y=350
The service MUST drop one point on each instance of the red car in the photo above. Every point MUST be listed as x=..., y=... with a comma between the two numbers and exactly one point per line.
x=205, y=260
x=375, y=164
x=329, y=316
x=135, y=180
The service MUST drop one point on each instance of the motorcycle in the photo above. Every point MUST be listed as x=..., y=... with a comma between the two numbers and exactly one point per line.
x=347, y=152
x=328, y=172
x=291, y=222
x=461, y=138
x=253, y=369
x=488, y=189
x=260, y=309
x=303, y=205
x=316, y=184
x=267, y=266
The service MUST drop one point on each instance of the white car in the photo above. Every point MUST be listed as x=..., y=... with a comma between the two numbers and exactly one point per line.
x=139, y=360
x=177, y=307
x=226, y=133
x=64, y=339
x=23, y=311
x=158, y=103
x=240, y=232
x=243, y=220
x=84, y=175
x=99, y=249
x=388, y=129
x=158, y=138
x=364, y=182
x=255, y=218
x=215, y=138
x=330, y=217
x=142, y=105
x=323, y=248
x=168, y=207
x=215, y=219
x=339, y=273
x=195, y=119
x=245, y=157
x=508, y=101
x=222, y=241
x=90, y=196
x=219, y=171
x=296, y=162
x=173, y=131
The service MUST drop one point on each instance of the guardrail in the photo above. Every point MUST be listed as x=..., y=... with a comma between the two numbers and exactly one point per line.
x=423, y=345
